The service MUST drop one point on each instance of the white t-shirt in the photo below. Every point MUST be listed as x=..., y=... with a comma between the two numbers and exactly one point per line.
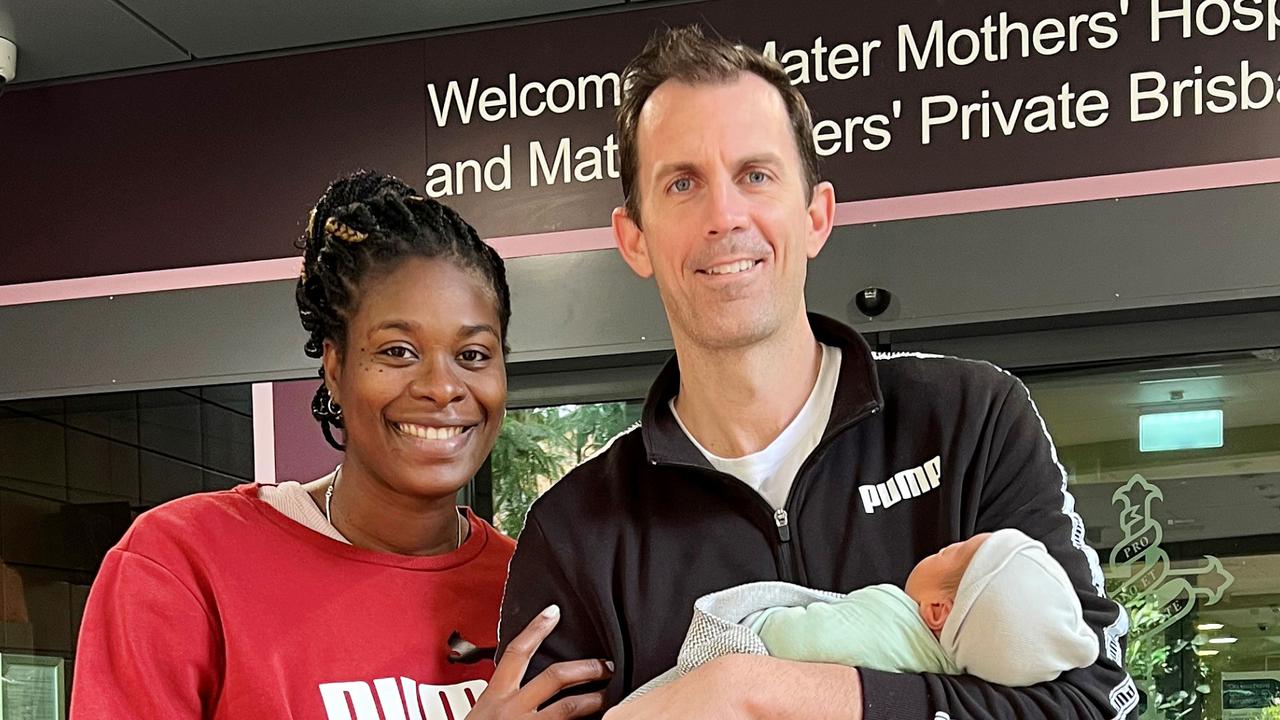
x=771, y=471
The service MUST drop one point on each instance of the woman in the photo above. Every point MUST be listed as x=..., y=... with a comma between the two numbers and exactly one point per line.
x=341, y=598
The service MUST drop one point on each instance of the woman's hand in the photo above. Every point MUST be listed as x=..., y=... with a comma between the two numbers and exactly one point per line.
x=504, y=699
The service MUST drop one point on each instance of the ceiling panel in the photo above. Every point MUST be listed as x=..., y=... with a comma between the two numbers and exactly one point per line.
x=66, y=38
x=233, y=27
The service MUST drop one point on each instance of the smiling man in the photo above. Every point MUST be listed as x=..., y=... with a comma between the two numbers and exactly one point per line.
x=776, y=445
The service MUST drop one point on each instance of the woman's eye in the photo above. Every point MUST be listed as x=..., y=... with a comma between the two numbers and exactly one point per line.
x=472, y=356
x=399, y=352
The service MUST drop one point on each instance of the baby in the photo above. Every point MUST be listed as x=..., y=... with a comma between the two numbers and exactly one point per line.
x=996, y=606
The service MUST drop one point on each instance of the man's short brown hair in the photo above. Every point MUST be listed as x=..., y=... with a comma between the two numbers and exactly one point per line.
x=687, y=55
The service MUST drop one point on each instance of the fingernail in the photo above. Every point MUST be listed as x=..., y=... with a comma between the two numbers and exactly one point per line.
x=552, y=611
x=609, y=664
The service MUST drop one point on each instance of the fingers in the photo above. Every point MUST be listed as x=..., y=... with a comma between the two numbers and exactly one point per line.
x=561, y=676
x=515, y=661
x=574, y=706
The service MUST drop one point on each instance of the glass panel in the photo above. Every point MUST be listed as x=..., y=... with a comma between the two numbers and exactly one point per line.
x=74, y=472
x=538, y=446
x=1189, y=537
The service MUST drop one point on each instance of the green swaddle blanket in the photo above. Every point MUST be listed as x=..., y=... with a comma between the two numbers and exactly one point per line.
x=876, y=627
x=1016, y=621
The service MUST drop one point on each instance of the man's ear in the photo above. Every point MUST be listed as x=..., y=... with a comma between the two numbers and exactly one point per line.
x=822, y=217
x=935, y=614
x=630, y=239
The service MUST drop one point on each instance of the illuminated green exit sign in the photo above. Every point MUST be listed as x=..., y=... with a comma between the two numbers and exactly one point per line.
x=1190, y=430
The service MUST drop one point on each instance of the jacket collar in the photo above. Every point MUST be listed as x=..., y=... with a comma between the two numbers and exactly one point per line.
x=857, y=394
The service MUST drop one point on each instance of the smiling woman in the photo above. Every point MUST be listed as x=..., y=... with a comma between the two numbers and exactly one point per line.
x=366, y=591
x=419, y=390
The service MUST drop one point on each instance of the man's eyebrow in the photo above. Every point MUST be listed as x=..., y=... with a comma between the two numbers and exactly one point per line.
x=682, y=167
x=766, y=158
x=675, y=168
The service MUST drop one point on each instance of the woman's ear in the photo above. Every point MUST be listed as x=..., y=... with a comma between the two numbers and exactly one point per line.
x=332, y=363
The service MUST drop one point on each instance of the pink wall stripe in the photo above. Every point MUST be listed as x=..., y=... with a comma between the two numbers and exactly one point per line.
x=1055, y=192
x=1005, y=197
x=565, y=241
x=151, y=281
x=264, y=433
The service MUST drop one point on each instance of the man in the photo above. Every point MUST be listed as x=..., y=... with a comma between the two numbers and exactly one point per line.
x=777, y=446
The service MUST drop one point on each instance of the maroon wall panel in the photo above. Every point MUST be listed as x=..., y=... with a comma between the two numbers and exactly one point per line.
x=301, y=451
x=194, y=167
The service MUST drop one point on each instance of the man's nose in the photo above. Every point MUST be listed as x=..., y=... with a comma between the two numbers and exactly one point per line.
x=726, y=209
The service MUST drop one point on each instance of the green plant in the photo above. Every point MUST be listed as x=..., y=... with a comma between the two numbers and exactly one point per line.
x=538, y=446
x=1156, y=658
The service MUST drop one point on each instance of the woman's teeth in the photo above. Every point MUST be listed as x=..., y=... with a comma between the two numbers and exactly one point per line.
x=733, y=267
x=429, y=433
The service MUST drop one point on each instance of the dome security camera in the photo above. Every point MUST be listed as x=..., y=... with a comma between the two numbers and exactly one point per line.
x=8, y=62
x=872, y=301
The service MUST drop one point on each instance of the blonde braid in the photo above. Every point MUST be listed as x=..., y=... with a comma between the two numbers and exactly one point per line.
x=343, y=231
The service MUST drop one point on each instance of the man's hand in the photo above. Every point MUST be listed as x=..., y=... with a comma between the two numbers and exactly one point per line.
x=753, y=687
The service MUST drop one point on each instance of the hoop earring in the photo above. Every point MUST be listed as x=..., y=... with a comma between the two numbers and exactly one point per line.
x=323, y=407
x=327, y=429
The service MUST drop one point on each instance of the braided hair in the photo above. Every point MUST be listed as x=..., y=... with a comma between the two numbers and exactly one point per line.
x=366, y=223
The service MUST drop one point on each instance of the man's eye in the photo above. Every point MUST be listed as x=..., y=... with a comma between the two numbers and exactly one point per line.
x=472, y=356
x=682, y=185
x=399, y=352
x=756, y=177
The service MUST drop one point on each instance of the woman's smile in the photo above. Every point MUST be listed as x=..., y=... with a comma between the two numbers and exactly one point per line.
x=437, y=441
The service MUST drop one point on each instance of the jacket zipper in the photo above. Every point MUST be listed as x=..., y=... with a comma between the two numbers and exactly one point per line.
x=790, y=551
x=785, y=561
x=789, y=569
x=780, y=519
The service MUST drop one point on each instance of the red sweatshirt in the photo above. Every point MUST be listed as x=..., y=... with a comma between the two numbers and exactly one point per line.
x=217, y=606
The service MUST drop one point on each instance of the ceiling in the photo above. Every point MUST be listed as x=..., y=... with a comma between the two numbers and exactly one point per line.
x=72, y=39
x=1101, y=406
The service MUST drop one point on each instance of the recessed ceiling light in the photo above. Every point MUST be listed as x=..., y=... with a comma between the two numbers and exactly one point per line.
x=1206, y=653
x=1223, y=640
x=1209, y=626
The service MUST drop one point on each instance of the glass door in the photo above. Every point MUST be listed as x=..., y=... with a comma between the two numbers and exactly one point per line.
x=1175, y=468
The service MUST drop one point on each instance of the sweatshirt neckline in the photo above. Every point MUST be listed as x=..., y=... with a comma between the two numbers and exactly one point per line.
x=475, y=544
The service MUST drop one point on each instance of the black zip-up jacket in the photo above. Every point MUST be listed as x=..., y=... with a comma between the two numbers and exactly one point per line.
x=919, y=452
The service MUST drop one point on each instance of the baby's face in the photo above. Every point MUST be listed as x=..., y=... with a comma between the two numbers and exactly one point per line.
x=935, y=578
